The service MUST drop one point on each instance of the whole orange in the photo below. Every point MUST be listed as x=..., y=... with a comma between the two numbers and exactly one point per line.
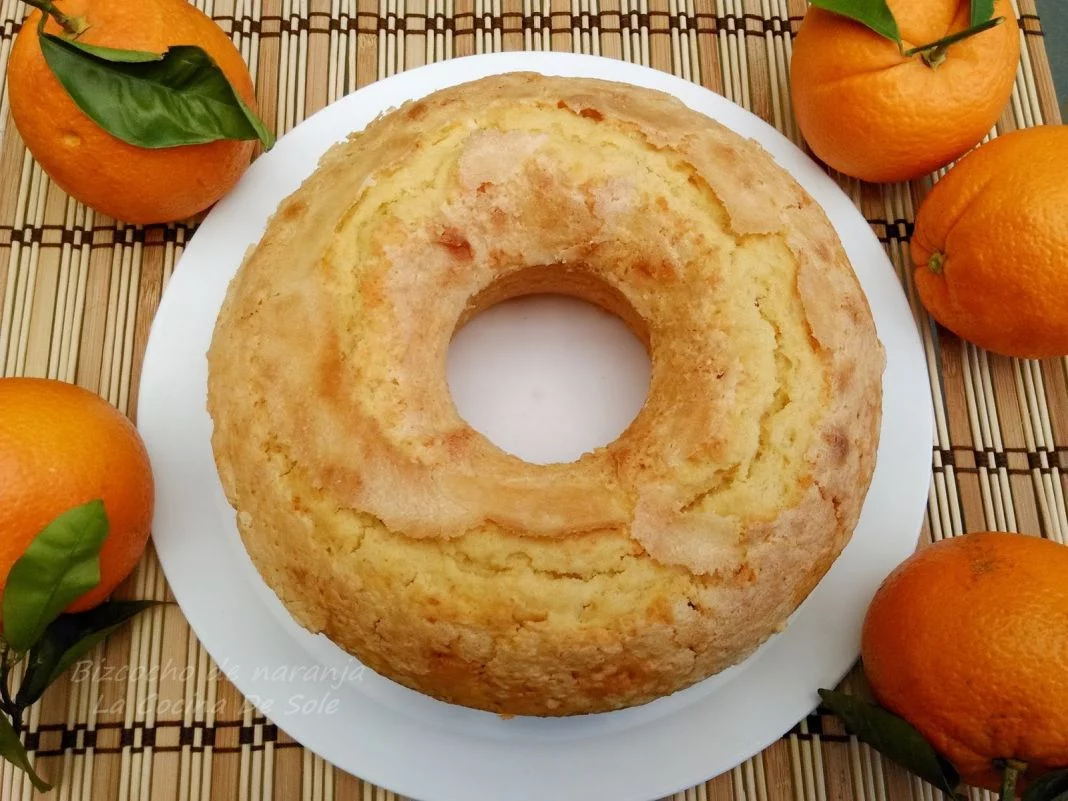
x=62, y=446
x=134, y=184
x=991, y=245
x=873, y=113
x=968, y=640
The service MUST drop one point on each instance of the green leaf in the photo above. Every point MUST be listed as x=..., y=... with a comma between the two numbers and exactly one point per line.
x=59, y=565
x=66, y=640
x=6, y=664
x=182, y=98
x=982, y=10
x=13, y=751
x=1051, y=787
x=115, y=55
x=893, y=737
x=875, y=14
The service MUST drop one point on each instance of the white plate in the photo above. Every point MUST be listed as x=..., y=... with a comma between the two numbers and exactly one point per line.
x=412, y=744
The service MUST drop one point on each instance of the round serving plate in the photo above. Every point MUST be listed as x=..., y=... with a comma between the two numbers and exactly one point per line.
x=412, y=744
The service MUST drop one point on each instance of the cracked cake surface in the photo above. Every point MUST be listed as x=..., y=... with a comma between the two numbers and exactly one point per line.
x=384, y=521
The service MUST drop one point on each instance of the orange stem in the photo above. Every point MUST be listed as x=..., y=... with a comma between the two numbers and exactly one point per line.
x=1010, y=775
x=70, y=25
x=934, y=53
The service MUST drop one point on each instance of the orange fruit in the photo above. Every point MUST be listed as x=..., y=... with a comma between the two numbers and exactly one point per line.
x=991, y=245
x=968, y=641
x=62, y=446
x=871, y=112
x=134, y=184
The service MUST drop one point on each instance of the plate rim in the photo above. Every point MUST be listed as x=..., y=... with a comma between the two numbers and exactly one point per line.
x=156, y=389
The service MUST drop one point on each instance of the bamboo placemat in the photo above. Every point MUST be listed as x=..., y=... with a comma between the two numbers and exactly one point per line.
x=150, y=716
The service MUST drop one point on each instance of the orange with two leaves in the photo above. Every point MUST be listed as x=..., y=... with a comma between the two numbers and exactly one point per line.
x=967, y=641
x=889, y=90
x=76, y=502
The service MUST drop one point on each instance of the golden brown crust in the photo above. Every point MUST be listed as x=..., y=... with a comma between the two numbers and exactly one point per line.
x=383, y=520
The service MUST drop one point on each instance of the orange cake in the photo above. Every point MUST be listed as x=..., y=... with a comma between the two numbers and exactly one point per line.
x=384, y=521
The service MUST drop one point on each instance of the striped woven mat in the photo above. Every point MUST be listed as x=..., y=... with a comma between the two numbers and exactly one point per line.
x=149, y=716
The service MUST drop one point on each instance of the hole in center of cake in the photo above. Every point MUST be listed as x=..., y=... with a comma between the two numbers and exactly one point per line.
x=546, y=376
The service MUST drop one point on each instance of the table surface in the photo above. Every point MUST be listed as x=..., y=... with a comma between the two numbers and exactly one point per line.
x=149, y=716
